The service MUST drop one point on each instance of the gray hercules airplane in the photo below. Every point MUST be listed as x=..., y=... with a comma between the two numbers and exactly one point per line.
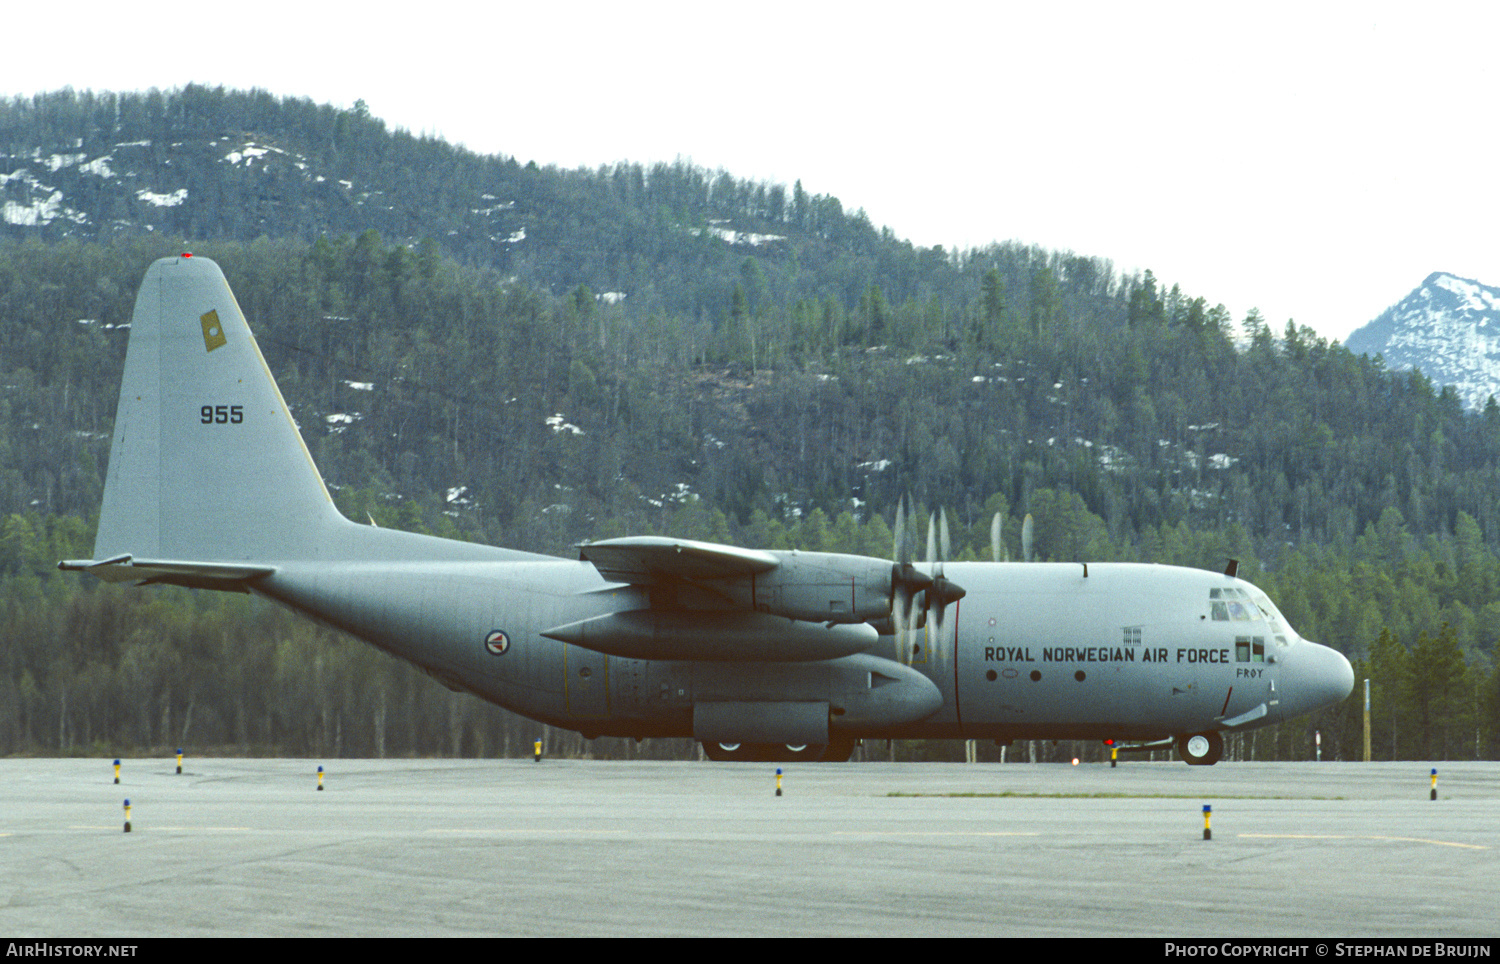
x=758, y=655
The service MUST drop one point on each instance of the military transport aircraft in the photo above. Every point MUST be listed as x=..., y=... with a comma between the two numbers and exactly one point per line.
x=757, y=654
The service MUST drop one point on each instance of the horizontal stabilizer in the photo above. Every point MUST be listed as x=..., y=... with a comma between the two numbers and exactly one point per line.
x=195, y=575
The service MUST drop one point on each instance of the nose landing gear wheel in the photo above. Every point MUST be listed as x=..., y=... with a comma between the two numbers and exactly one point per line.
x=1201, y=749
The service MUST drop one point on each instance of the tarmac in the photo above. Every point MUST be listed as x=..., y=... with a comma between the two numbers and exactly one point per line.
x=421, y=848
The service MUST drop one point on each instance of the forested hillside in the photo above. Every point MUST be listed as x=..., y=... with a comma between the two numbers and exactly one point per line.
x=632, y=350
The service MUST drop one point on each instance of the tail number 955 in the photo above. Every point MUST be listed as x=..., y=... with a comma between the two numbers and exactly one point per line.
x=221, y=414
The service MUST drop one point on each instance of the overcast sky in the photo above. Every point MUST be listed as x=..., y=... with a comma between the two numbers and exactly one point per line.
x=1314, y=160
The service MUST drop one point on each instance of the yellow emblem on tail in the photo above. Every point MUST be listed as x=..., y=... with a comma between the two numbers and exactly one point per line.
x=213, y=332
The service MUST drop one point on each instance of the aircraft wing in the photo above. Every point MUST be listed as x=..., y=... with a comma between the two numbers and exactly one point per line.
x=714, y=602
x=653, y=560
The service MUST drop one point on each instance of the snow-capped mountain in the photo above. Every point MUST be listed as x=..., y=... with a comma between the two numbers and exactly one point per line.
x=1449, y=329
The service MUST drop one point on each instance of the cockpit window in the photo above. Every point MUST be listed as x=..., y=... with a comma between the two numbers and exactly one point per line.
x=1250, y=604
x=1231, y=605
x=1273, y=616
x=1242, y=604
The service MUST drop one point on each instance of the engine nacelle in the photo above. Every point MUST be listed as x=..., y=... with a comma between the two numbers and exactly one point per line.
x=714, y=635
x=821, y=587
x=817, y=586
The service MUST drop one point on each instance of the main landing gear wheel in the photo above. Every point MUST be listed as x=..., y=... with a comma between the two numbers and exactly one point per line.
x=764, y=752
x=1201, y=749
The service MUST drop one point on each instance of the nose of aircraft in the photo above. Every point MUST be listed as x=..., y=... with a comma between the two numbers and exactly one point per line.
x=1315, y=677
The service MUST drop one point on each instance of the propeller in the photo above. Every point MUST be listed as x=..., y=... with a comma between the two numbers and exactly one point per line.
x=906, y=582
x=1028, y=531
x=995, y=526
x=942, y=591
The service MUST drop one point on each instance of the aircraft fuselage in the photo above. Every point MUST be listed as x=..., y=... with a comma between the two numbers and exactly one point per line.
x=1128, y=651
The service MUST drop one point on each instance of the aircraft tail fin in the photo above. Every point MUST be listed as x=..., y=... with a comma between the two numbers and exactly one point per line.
x=206, y=462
